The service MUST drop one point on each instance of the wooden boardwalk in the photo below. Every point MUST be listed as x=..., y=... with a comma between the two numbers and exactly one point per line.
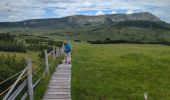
x=59, y=87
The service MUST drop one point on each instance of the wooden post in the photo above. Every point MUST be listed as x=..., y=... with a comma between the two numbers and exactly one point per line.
x=56, y=52
x=46, y=61
x=29, y=76
x=63, y=49
x=53, y=52
x=145, y=96
x=62, y=46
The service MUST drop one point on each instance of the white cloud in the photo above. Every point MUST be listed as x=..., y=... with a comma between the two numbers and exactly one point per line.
x=129, y=12
x=100, y=13
x=114, y=12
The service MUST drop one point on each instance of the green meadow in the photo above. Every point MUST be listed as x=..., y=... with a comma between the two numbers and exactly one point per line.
x=120, y=72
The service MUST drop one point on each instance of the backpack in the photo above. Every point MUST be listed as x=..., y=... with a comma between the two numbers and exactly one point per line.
x=67, y=48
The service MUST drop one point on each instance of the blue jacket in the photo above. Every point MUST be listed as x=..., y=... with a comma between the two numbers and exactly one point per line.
x=67, y=48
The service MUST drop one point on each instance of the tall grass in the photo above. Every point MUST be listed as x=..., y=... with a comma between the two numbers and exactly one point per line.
x=120, y=72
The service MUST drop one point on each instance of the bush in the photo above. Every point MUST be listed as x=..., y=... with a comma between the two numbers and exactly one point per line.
x=33, y=41
x=77, y=40
x=109, y=41
x=43, y=41
x=38, y=47
x=12, y=47
x=7, y=37
x=8, y=67
x=55, y=43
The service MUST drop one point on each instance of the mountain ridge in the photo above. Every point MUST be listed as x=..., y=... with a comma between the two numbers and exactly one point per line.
x=82, y=20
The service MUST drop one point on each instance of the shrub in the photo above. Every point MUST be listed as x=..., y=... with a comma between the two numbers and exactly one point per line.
x=109, y=41
x=7, y=37
x=12, y=47
x=8, y=67
x=77, y=40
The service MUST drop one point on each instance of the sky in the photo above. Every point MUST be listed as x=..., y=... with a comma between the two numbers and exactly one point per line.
x=17, y=10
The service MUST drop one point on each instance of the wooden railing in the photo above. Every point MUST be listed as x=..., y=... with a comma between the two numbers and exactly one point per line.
x=26, y=76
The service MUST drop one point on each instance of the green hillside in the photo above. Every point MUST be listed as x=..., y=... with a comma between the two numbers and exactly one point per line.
x=127, y=32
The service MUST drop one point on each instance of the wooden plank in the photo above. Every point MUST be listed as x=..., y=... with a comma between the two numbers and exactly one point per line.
x=62, y=73
x=59, y=86
x=54, y=92
x=62, y=83
x=59, y=90
x=56, y=99
x=65, y=81
x=57, y=96
x=61, y=78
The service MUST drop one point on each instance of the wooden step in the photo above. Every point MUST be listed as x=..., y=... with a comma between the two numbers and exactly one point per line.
x=57, y=96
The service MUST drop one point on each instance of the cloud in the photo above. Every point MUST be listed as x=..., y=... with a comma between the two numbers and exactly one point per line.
x=129, y=12
x=20, y=10
x=16, y=10
x=100, y=13
x=114, y=12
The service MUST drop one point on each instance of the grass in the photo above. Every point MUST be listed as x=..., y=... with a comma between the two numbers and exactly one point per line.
x=120, y=72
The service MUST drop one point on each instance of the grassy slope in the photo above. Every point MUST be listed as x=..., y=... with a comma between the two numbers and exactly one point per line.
x=120, y=72
x=132, y=33
x=125, y=33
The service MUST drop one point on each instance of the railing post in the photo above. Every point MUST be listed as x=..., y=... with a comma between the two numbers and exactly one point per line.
x=61, y=50
x=29, y=76
x=46, y=61
x=53, y=52
x=56, y=52
x=145, y=96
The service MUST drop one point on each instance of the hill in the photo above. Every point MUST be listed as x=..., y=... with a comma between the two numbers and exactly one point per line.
x=82, y=20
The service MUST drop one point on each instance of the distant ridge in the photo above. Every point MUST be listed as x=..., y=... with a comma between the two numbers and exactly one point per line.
x=82, y=20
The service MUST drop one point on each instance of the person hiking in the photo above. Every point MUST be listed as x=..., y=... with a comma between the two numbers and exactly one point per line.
x=67, y=50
